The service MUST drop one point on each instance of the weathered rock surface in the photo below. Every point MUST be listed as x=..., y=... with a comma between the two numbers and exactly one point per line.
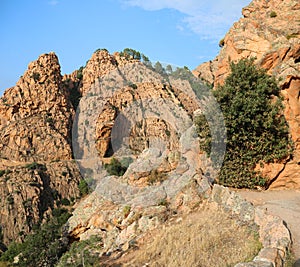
x=268, y=31
x=36, y=115
x=30, y=192
x=283, y=203
x=35, y=148
x=144, y=128
x=100, y=64
x=273, y=232
x=127, y=110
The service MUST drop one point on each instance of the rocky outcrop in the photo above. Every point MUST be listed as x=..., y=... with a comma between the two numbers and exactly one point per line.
x=122, y=227
x=36, y=115
x=36, y=164
x=268, y=31
x=128, y=110
x=274, y=235
x=100, y=64
x=36, y=131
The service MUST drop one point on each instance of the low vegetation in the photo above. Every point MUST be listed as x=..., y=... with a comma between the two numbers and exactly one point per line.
x=83, y=187
x=273, y=14
x=155, y=177
x=35, y=166
x=207, y=238
x=79, y=74
x=117, y=167
x=222, y=42
x=43, y=247
x=83, y=253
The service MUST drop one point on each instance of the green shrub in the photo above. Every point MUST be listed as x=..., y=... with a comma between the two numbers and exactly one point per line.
x=133, y=85
x=131, y=53
x=35, y=76
x=35, y=166
x=10, y=200
x=50, y=120
x=163, y=202
x=36, y=184
x=126, y=161
x=293, y=35
x=256, y=128
x=65, y=202
x=159, y=68
x=222, y=42
x=156, y=177
x=115, y=167
x=185, y=74
x=79, y=74
x=83, y=187
x=273, y=14
x=101, y=49
x=126, y=211
x=82, y=253
x=2, y=172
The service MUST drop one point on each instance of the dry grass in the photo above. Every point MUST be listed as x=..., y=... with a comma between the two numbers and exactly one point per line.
x=206, y=238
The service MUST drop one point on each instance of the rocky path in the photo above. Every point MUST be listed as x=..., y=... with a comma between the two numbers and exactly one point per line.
x=283, y=203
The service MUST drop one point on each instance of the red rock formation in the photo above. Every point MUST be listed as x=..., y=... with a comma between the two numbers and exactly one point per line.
x=35, y=126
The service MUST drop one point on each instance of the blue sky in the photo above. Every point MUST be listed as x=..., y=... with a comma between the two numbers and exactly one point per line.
x=180, y=32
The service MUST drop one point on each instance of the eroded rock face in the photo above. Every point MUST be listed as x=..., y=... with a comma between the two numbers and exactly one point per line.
x=29, y=192
x=126, y=108
x=100, y=64
x=35, y=148
x=268, y=31
x=36, y=115
x=145, y=128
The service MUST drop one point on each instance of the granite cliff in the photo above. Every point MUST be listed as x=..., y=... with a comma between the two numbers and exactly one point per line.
x=36, y=154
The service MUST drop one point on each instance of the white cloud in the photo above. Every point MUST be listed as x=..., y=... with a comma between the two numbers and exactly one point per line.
x=209, y=19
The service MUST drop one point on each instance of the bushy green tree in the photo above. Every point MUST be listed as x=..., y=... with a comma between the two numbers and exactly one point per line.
x=131, y=53
x=159, y=68
x=256, y=128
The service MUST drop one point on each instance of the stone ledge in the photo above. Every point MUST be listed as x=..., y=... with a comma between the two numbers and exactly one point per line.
x=274, y=235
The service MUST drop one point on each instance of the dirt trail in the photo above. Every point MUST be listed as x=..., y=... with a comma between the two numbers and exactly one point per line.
x=283, y=203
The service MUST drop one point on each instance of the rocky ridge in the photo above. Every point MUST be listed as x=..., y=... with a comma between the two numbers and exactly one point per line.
x=36, y=115
x=268, y=31
x=36, y=154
